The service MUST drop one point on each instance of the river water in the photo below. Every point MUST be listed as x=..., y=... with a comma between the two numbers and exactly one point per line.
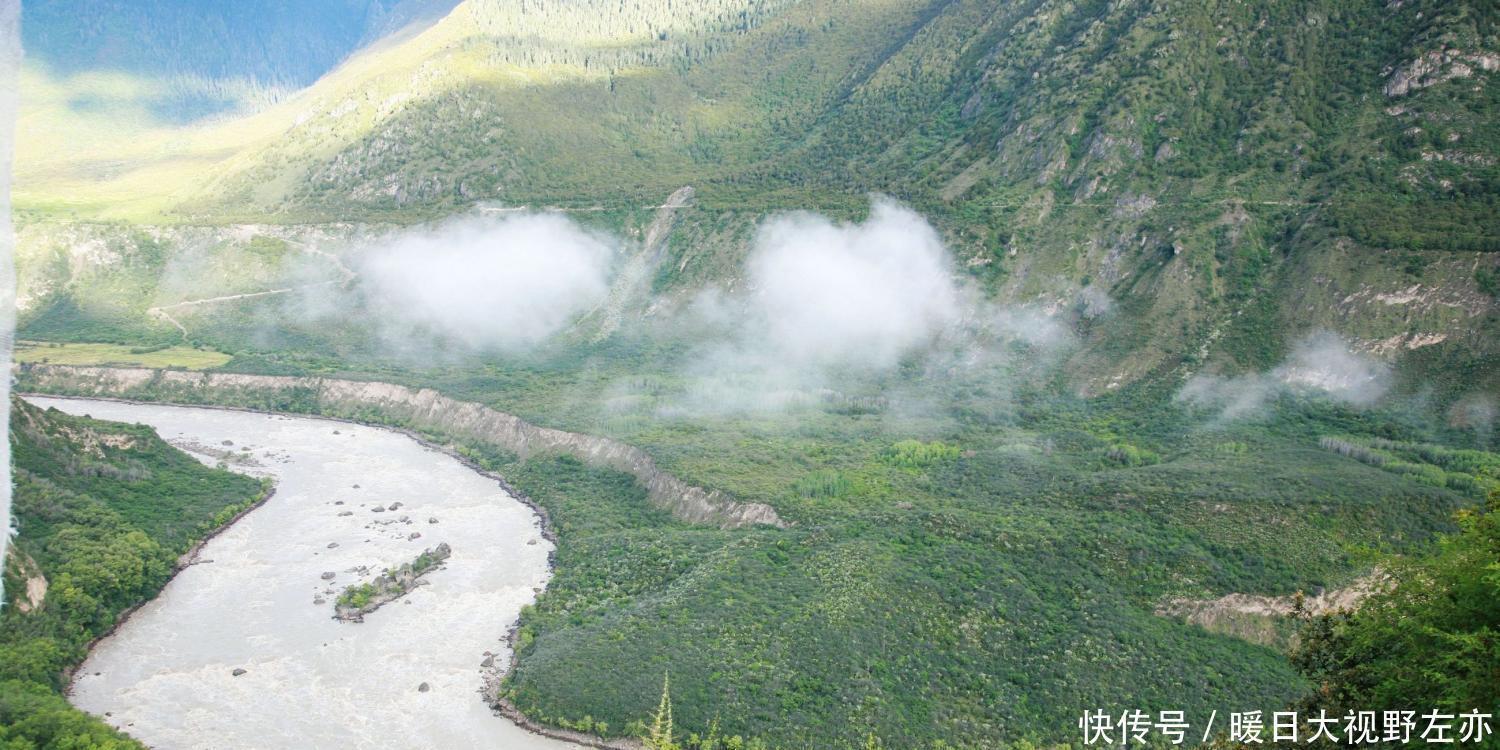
x=166, y=675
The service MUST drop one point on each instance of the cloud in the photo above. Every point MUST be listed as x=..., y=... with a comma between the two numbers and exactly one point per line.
x=1094, y=302
x=488, y=283
x=1320, y=364
x=1323, y=362
x=861, y=295
x=830, y=313
x=1235, y=398
x=1477, y=412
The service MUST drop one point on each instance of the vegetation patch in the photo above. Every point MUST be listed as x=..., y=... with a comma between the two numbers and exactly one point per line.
x=1428, y=639
x=356, y=601
x=158, y=356
x=1475, y=472
x=915, y=454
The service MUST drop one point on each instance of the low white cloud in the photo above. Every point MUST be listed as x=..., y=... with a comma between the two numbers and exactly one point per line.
x=1094, y=302
x=1321, y=364
x=828, y=311
x=1235, y=397
x=861, y=295
x=488, y=283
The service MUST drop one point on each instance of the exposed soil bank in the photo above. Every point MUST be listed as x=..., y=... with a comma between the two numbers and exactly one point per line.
x=424, y=410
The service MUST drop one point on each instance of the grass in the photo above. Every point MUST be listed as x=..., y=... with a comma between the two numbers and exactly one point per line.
x=119, y=355
x=970, y=575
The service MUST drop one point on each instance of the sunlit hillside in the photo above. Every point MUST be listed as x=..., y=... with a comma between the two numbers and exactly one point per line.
x=1067, y=353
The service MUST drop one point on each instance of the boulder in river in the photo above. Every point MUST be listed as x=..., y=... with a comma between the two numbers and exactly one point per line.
x=331, y=545
x=328, y=575
x=414, y=535
x=424, y=687
x=237, y=672
x=346, y=513
x=432, y=519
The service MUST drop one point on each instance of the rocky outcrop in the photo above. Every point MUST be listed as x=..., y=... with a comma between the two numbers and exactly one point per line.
x=362, y=599
x=1437, y=66
x=1266, y=619
x=423, y=410
x=22, y=567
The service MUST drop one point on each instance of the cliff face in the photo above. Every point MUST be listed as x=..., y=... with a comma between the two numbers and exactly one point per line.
x=423, y=410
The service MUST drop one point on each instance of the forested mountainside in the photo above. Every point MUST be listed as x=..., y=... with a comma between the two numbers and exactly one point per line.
x=1195, y=305
x=1233, y=100
x=1224, y=172
x=103, y=512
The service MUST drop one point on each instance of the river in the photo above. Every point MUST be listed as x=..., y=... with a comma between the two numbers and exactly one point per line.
x=166, y=676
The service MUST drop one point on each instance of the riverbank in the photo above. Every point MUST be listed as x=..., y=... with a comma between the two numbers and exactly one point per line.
x=394, y=405
x=184, y=561
x=354, y=477
x=492, y=674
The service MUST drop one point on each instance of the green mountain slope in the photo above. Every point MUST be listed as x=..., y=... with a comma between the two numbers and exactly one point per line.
x=212, y=58
x=1239, y=170
x=1184, y=189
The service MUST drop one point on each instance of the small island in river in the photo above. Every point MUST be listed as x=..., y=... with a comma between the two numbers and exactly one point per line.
x=363, y=598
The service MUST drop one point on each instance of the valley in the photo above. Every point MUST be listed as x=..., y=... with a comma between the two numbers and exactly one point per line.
x=913, y=534
x=889, y=373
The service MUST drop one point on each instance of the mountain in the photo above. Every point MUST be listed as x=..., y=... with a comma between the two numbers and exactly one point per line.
x=1239, y=171
x=209, y=57
x=1222, y=325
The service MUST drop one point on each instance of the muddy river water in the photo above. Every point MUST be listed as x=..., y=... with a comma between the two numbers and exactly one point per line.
x=167, y=675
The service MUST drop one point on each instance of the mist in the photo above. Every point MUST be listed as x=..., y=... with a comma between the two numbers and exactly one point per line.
x=488, y=284
x=870, y=315
x=10, y=70
x=853, y=295
x=832, y=311
x=1477, y=412
x=1320, y=364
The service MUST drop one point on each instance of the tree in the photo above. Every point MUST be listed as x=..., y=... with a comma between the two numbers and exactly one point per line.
x=660, y=735
x=1431, y=639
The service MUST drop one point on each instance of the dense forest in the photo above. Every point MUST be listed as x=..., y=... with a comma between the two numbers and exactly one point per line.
x=1430, y=640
